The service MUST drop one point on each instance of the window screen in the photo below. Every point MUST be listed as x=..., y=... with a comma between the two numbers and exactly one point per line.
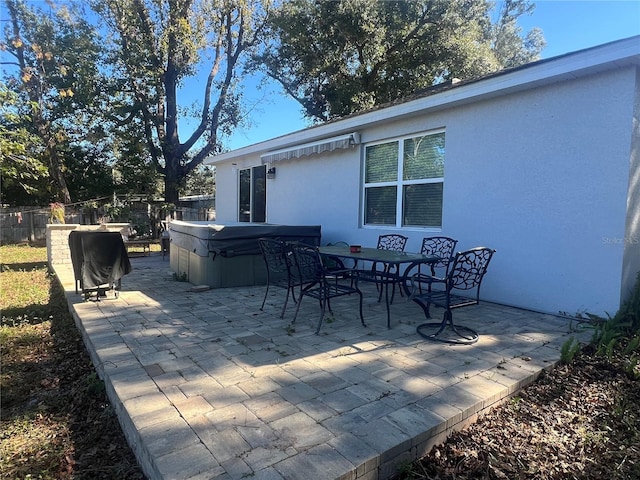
x=407, y=193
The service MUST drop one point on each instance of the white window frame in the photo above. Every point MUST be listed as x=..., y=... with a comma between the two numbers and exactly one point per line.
x=399, y=183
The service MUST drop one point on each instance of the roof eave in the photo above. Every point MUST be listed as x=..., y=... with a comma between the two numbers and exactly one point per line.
x=617, y=54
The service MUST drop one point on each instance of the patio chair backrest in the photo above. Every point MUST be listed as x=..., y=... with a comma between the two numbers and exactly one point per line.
x=308, y=264
x=336, y=263
x=274, y=254
x=392, y=241
x=443, y=247
x=468, y=268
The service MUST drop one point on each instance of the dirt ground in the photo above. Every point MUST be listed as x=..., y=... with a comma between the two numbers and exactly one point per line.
x=579, y=421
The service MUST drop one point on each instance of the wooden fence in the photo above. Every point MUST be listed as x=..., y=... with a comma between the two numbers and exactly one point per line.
x=29, y=224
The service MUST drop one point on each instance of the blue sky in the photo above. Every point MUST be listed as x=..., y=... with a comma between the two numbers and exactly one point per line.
x=567, y=25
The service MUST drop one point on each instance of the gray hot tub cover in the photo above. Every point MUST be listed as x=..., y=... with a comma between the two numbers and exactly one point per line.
x=237, y=239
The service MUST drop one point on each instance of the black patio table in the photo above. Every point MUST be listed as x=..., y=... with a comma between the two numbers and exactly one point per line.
x=390, y=257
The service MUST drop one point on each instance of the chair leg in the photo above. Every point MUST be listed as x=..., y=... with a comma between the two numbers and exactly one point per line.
x=322, y=308
x=386, y=301
x=421, y=329
x=286, y=301
x=378, y=285
x=295, y=315
x=471, y=335
x=292, y=288
x=398, y=281
x=393, y=290
x=266, y=292
x=361, y=315
x=424, y=306
x=465, y=335
x=284, y=307
x=387, y=271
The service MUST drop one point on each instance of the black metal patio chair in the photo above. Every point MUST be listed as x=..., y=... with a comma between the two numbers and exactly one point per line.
x=330, y=261
x=278, y=260
x=443, y=247
x=319, y=282
x=392, y=241
x=390, y=274
x=345, y=269
x=460, y=288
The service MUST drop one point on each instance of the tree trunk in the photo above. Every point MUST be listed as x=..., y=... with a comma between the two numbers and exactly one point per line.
x=55, y=172
x=170, y=192
x=62, y=193
x=171, y=179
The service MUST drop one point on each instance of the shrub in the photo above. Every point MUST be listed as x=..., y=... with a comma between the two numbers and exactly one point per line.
x=623, y=326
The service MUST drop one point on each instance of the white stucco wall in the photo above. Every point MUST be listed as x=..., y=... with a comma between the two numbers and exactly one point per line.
x=545, y=175
x=631, y=239
x=542, y=176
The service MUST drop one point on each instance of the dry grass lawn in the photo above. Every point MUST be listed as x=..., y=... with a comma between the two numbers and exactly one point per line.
x=56, y=422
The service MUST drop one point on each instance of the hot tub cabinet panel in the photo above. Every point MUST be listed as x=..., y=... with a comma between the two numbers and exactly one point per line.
x=228, y=255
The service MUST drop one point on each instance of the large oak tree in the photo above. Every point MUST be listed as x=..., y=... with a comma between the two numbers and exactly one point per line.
x=343, y=56
x=157, y=46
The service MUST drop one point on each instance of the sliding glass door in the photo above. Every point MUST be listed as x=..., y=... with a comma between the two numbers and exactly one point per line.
x=252, y=198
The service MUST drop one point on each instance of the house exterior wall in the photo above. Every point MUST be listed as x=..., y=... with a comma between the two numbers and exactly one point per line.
x=540, y=175
x=631, y=239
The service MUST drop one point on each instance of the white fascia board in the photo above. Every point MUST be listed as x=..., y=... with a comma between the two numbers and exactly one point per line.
x=613, y=55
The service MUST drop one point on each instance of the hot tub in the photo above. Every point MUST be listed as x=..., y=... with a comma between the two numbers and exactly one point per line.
x=228, y=255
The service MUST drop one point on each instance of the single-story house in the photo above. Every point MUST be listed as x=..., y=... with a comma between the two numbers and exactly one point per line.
x=540, y=162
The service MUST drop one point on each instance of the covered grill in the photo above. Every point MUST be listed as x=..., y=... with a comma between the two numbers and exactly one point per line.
x=99, y=261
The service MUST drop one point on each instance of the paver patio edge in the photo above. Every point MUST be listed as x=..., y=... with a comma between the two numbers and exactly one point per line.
x=365, y=403
x=134, y=439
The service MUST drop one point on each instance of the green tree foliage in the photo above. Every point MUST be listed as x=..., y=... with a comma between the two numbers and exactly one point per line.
x=53, y=70
x=23, y=176
x=201, y=181
x=343, y=56
x=87, y=173
x=509, y=46
x=160, y=43
x=133, y=171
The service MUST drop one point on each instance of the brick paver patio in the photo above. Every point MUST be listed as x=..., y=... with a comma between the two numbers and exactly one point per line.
x=207, y=386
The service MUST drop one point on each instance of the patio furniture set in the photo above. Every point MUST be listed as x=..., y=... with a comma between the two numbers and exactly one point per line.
x=453, y=281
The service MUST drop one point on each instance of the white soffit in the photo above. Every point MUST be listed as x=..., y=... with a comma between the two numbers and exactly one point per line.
x=320, y=146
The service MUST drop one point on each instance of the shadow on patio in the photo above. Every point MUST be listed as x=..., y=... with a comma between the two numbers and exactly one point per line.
x=208, y=386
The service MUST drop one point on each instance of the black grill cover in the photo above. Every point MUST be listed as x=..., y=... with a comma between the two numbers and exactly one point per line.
x=98, y=258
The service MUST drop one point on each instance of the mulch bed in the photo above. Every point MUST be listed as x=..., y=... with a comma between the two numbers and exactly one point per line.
x=579, y=421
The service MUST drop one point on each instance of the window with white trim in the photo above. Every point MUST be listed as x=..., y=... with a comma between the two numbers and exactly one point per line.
x=403, y=182
x=252, y=194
